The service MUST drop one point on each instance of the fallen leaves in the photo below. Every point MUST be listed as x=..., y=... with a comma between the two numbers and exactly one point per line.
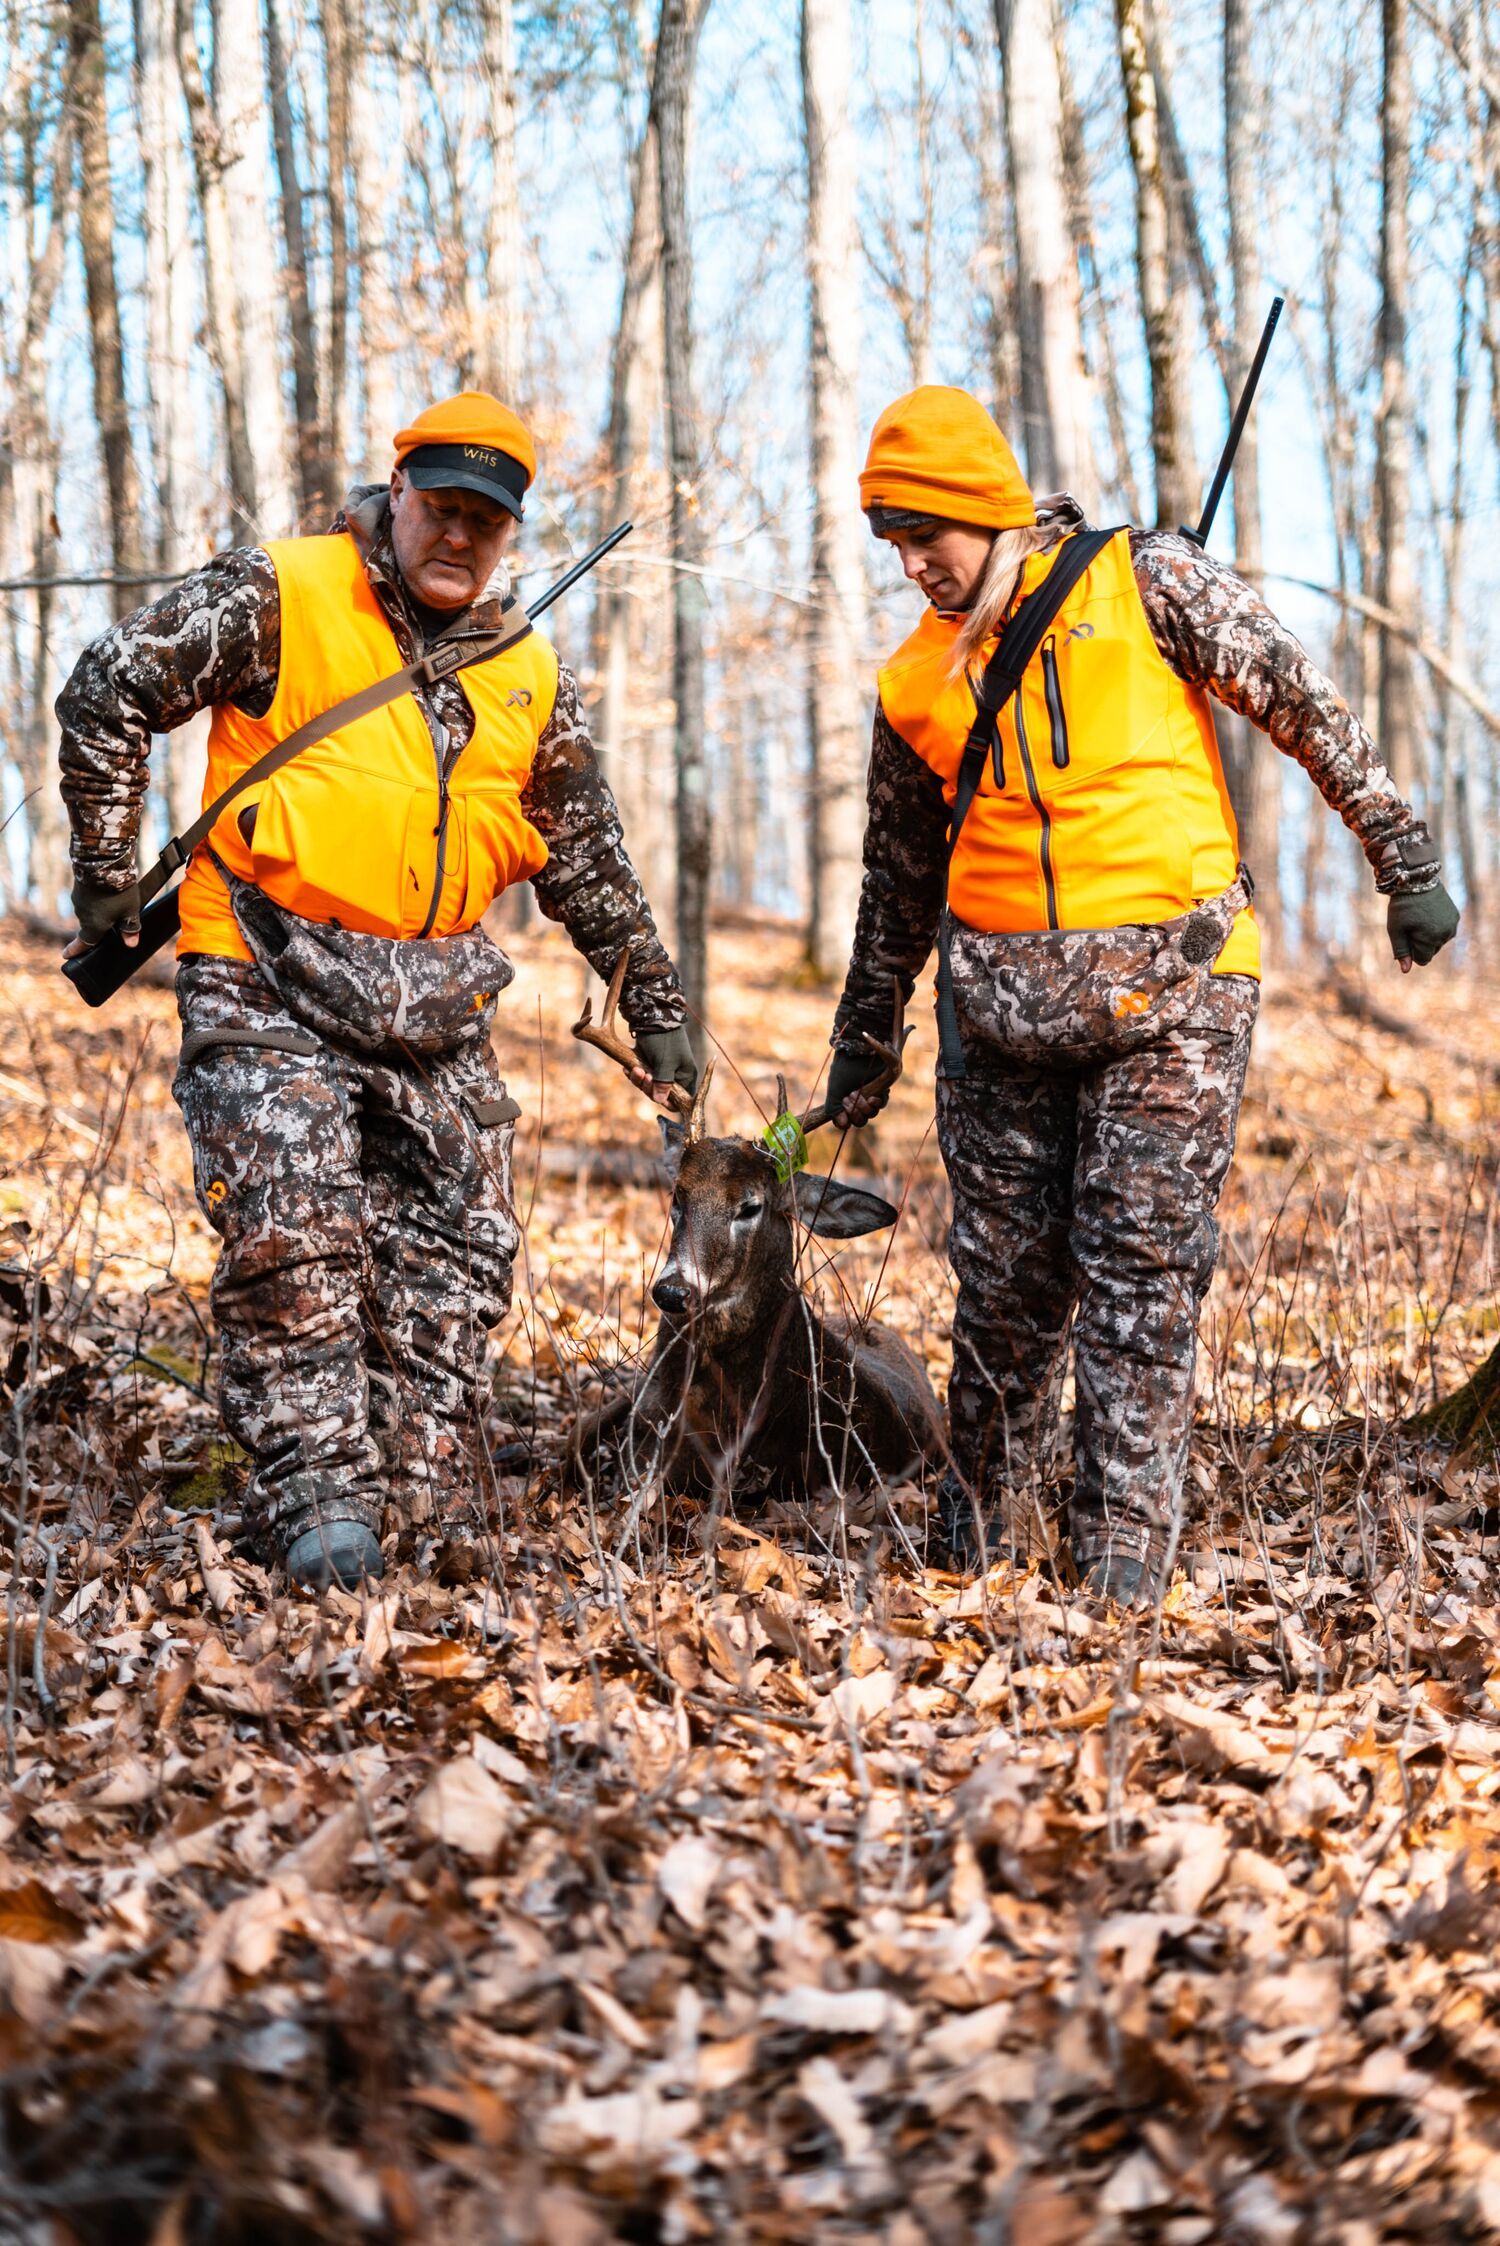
x=686, y=1875
x=464, y=1807
x=702, y=1877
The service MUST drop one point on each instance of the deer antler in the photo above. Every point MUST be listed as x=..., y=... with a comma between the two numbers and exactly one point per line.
x=816, y=1117
x=698, y=1106
x=607, y=1039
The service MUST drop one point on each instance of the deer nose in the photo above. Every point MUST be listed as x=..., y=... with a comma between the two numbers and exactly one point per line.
x=669, y=1294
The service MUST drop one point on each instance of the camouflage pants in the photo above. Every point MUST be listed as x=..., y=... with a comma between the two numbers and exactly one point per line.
x=364, y=1205
x=1087, y=1194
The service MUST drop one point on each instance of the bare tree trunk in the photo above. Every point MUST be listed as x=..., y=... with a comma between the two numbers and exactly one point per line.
x=1161, y=311
x=170, y=307
x=1452, y=798
x=171, y=316
x=1334, y=395
x=336, y=57
x=676, y=43
x=997, y=235
x=1395, y=586
x=1121, y=485
x=28, y=495
x=312, y=473
x=635, y=395
x=96, y=232
x=836, y=646
x=1056, y=395
x=919, y=336
x=500, y=357
x=218, y=262
x=1254, y=768
x=375, y=159
x=245, y=171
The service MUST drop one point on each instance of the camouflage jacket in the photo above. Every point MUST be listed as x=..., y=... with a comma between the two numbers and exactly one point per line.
x=1215, y=632
x=217, y=638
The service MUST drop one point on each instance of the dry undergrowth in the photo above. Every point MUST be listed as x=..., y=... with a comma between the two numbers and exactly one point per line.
x=611, y=1877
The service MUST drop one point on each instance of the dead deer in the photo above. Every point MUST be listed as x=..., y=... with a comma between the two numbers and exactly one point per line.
x=750, y=1392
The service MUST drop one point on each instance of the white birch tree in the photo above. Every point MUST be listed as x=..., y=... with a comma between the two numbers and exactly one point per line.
x=500, y=354
x=1056, y=404
x=837, y=631
x=243, y=117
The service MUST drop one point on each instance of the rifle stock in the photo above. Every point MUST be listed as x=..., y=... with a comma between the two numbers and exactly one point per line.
x=98, y=973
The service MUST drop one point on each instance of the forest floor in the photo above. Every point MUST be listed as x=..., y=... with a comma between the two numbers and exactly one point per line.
x=604, y=1877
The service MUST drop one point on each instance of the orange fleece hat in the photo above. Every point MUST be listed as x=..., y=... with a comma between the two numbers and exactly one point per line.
x=938, y=452
x=472, y=418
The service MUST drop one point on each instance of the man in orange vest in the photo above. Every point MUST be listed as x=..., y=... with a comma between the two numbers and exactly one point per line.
x=351, y=1136
x=1099, y=958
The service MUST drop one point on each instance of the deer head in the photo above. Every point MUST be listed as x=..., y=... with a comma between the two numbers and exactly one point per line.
x=732, y=1260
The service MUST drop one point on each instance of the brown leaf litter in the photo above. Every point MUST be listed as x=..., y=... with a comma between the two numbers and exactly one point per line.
x=623, y=1873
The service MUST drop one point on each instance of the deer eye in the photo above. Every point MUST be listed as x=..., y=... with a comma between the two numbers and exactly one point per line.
x=748, y=1211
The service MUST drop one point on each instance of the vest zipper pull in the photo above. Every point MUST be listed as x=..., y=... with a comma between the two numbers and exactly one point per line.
x=1057, y=716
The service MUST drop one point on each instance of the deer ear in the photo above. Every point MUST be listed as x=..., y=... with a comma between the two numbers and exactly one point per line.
x=839, y=1212
x=673, y=1140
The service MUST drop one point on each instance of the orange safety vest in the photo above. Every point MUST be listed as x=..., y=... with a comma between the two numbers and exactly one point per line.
x=1104, y=802
x=359, y=828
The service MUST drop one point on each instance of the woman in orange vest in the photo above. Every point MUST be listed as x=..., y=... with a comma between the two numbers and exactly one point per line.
x=1098, y=953
x=351, y=1136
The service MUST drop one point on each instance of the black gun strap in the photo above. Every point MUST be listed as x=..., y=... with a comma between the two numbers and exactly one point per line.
x=1003, y=673
x=440, y=662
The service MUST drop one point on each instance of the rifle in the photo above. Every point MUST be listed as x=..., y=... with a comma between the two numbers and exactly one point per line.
x=1236, y=430
x=99, y=972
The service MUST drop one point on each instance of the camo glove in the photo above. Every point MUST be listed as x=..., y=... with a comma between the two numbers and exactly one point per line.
x=1419, y=926
x=848, y=1071
x=667, y=1056
x=98, y=910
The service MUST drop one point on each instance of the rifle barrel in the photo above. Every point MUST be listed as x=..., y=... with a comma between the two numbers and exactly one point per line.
x=1237, y=427
x=581, y=568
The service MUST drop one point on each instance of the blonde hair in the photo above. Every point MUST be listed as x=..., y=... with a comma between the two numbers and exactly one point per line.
x=996, y=588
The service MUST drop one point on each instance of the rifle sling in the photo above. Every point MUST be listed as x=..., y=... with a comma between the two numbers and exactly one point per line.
x=444, y=660
x=1018, y=643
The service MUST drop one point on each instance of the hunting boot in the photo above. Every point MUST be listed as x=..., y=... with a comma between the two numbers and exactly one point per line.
x=342, y=1552
x=965, y=1530
x=1123, y=1577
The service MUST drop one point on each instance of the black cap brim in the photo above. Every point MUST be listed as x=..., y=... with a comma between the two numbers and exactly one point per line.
x=453, y=468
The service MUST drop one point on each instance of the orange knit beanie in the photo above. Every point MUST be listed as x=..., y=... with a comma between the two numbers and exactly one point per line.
x=938, y=452
x=472, y=418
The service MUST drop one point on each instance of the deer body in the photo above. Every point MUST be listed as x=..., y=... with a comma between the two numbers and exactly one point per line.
x=750, y=1393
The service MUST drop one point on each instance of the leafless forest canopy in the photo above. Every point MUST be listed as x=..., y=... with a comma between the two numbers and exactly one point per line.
x=243, y=240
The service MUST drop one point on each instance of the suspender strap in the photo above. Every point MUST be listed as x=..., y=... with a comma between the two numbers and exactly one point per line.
x=1003, y=673
x=441, y=661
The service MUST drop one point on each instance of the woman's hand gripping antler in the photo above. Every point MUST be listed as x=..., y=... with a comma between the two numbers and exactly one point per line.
x=876, y=1089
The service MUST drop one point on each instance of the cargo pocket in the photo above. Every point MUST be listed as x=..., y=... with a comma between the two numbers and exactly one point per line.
x=490, y=1219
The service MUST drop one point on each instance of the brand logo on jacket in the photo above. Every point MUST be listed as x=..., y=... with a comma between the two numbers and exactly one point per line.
x=518, y=698
x=1079, y=631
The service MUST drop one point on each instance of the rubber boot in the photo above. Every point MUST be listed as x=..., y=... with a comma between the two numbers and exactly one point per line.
x=957, y=1527
x=1124, y=1577
x=342, y=1552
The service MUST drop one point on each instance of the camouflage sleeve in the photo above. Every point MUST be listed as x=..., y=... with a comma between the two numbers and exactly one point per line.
x=1217, y=633
x=901, y=897
x=588, y=882
x=216, y=637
